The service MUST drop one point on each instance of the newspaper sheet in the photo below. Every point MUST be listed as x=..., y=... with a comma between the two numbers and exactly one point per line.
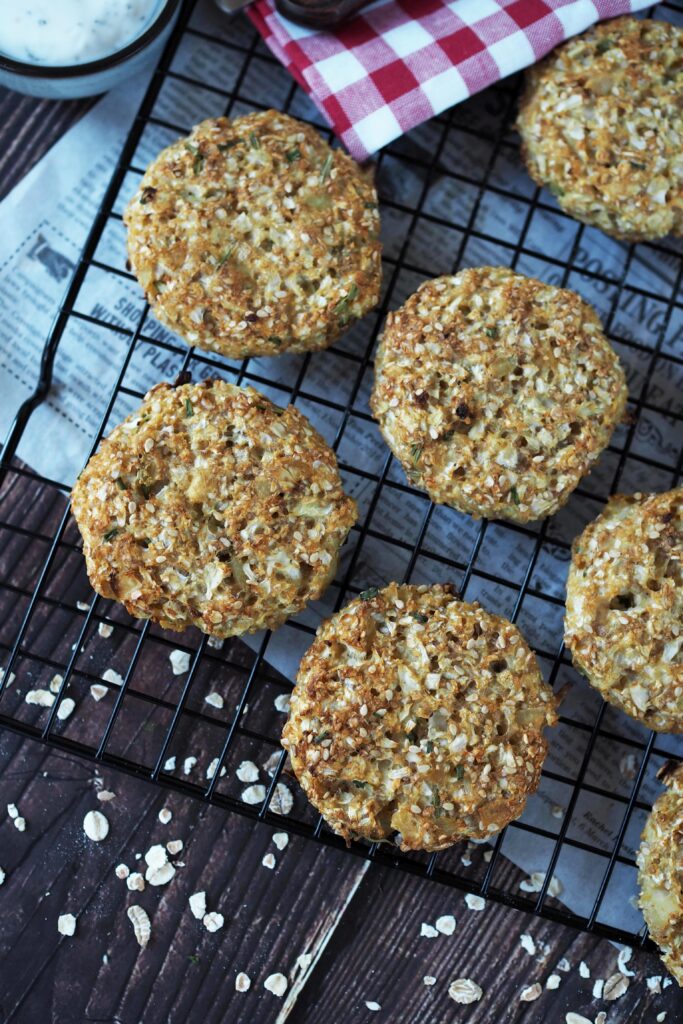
x=45, y=221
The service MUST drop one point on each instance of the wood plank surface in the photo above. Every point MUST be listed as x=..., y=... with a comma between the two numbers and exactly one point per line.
x=359, y=925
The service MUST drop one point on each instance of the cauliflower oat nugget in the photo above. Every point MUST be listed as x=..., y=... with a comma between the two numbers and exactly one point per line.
x=602, y=127
x=660, y=875
x=624, y=620
x=497, y=392
x=416, y=712
x=212, y=507
x=253, y=236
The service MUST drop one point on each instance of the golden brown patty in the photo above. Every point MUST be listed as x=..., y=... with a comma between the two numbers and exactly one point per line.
x=602, y=127
x=212, y=507
x=417, y=713
x=497, y=392
x=660, y=875
x=624, y=621
x=253, y=237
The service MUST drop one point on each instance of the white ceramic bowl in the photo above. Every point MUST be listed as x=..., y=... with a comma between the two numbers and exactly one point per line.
x=73, y=81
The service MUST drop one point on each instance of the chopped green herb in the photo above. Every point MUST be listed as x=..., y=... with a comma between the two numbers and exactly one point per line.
x=429, y=746
x=198, y=162
x=189, y=411
x=254, y=140
x=110, y=534
x=419, y=617
x=636, y=165
x=436, y=802
x=412, y=737
x=193, y=958
x=274, y=339
x=604, y=45
x=225, y=146
x=556, y=190
x=327, y=167
x=321, y=736
x=416, y=452
x=349, y=297
x=226, y=255
x=367, y=595
x=293, y=154
x=359, y=785
x=371, y=206
x=514, y=497
x=460, y=771
x=120, y=484
x=492, y=332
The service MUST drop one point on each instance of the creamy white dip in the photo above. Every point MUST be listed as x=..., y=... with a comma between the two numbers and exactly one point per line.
x=63, y=32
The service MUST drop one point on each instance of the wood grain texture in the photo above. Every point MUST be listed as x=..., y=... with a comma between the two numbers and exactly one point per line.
x=362, y=926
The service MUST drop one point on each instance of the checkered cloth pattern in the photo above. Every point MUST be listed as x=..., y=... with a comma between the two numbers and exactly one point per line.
x=399, y=62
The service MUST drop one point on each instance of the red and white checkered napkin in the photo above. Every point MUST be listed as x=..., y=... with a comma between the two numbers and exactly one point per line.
x=399, y=62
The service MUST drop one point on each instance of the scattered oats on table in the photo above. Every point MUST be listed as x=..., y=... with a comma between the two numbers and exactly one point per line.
x=198, y=904
x=66, y=924
x=213, y=921
x=268, y=861
x=210, y=506
x=280, y=839
x=65, y=709
x=276, y=983
x=242, y=982
x=247, y=771
x=417, y=713
x=530, y=993
x=110, y=675
x=464, y=990
x=615, y=987
x=601, y=126
x=253, y=237
x=254, y=794
x=142, y=927
x=428, y=931
x=445, y=924
x=497, y=392
x=475, y=902
x=96, y=826
x=180, y=662
x=165, y=815
x=625, y=606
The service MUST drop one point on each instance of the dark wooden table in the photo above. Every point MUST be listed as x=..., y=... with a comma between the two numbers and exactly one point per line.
x=361, y=925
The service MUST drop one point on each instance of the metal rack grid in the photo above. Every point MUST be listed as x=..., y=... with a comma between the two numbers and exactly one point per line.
x=147, y=719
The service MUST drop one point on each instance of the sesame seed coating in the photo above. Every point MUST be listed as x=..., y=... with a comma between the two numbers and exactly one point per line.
x=602, y=127
x=660, y=874
x=624, y=620
x=496, y=392
x=418, y=713
x=210, y=506
x=253, y=236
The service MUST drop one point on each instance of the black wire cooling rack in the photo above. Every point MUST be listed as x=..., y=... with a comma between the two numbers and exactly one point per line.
x=453, y=194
